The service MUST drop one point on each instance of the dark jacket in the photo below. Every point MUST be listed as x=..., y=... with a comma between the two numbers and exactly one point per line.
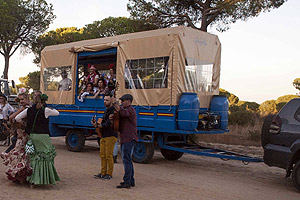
x=128, y=125
x=107, y=128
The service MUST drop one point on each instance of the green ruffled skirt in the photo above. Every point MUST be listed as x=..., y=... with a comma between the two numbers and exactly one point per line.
x=42, y=161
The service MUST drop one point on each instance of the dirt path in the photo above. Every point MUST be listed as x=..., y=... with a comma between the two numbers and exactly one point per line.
x=191, y=177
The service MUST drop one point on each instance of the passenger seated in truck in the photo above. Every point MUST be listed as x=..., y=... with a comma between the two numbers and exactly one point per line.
x=112, y=72
x=93, y=76
x=111, y=87
x=66, y=83
x=88, y=91
x=102, y=88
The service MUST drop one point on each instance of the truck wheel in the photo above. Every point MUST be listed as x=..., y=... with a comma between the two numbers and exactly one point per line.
x=171, y=155
x=75, y=140
x=296, y=175
x=265, y=131
x=143, y=152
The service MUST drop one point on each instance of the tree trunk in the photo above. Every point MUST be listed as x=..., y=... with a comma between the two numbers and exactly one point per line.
x=204, y=20
x=6, y=65
x=204, y=24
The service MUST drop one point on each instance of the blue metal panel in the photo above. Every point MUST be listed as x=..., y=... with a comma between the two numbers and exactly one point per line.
x=202, y=110
x=145, y=116
x=165, y=118
x=106, y=51
x=155, y=119
x=55, y=131
x=78, y=115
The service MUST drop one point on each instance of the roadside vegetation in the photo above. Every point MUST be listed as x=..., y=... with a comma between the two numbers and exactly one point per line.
x=246, y=119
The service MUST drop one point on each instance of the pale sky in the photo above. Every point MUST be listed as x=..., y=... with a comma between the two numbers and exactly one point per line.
x=260, y=57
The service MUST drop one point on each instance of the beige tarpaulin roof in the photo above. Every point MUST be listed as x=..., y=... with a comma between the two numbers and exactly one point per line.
x=178, y=43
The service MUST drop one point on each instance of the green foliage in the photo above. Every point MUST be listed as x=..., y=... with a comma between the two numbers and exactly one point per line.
x=280, y=105
x=285, y=98
x=250, y=106
x=31, y=81
x=232, y=99
x=113, y=26
x=59, y=36
x=268, y=107
x=281, y=101
x=224, y=92
x=242, y=117
x=22, y=21
x=296, y=83
x=245, y=113
x=107, y=27
x=12, y=90
x=165, y=13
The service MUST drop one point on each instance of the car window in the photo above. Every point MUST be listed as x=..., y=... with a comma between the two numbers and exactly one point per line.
x=297, y=114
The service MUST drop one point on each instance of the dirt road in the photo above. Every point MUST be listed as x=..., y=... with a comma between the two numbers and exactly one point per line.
x=191, y=177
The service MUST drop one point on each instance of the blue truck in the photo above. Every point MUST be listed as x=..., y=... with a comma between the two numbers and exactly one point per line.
x=173, y=75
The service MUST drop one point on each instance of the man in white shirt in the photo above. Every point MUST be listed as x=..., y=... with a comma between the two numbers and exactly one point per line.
x=65, y=84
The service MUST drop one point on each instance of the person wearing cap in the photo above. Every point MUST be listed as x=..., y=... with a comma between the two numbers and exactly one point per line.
x=65, y=84
x=112, y=72
x=93, y=77
x=128, y=138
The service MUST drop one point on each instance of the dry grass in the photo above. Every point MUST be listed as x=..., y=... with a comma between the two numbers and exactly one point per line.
x=238, y=135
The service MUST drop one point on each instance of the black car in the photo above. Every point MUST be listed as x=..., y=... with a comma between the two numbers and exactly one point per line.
x=281, y=140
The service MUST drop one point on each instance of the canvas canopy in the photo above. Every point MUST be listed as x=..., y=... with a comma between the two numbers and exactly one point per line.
x=187, y=60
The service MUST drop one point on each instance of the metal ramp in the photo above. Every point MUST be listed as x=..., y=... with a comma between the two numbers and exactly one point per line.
x=210, y=152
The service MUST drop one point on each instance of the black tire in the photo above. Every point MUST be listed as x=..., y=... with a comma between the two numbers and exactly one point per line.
x=75, y=140
x=171, y=155
x=143, y=151
x=265, y=131
x=296, y=175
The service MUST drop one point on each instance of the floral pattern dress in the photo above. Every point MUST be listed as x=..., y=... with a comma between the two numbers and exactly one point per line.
x=17, y=161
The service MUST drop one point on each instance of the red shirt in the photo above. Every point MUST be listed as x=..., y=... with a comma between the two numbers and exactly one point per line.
x=128, y=127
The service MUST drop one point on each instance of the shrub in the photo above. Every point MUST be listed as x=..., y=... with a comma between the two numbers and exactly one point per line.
x=251, y=106
x=232, y=99
x=242, y=117
x=285, y=98
x=268, y=107
x=254, y=135
x=280, y=105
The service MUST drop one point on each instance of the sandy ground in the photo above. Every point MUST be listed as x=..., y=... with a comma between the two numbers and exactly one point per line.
x=191, y=177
